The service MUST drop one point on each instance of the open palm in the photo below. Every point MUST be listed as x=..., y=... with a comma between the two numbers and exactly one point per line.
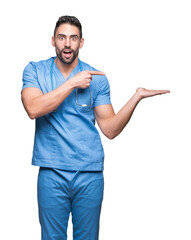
x=143, y=92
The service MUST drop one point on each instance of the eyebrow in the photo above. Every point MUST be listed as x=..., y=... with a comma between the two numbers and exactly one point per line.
x=64, y=35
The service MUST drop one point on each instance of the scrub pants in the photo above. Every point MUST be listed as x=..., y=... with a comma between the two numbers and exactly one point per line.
x=61, y=192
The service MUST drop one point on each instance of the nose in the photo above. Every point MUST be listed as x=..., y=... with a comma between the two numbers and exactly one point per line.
x=67, y=42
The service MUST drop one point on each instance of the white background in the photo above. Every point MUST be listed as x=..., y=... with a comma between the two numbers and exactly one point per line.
x=147, y=167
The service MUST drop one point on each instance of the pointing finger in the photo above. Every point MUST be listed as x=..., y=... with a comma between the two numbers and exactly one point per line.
x=96, y=73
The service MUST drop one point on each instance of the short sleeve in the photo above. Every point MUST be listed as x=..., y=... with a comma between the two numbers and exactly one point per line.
x=103, y=95
x=30, y=77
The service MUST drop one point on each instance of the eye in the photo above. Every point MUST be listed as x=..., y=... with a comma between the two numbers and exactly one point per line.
x=74, y=38
x=61, y=37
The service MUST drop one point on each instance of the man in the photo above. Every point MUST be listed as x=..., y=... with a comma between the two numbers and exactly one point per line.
x=66, y=96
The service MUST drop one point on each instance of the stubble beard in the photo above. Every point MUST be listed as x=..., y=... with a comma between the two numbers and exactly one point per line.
x=64, y=60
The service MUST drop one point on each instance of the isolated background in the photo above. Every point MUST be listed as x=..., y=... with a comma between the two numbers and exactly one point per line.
x=147, y=167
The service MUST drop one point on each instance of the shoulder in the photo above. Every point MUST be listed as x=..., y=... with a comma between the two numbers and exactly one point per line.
x=86, y=66
x=98, y=81
x=39, y=64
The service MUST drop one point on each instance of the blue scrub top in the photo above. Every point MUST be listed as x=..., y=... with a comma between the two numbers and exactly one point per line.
x=68, y=139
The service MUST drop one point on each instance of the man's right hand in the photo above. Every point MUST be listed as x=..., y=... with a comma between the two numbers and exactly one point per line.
x=83, y=79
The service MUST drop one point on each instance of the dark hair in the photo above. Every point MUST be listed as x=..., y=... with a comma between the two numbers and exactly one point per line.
x=70, y=20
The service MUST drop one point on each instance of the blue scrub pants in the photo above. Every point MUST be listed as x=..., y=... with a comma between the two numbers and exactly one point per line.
x=61, y=192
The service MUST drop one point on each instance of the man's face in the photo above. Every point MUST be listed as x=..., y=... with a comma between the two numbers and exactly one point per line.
x=67, y=43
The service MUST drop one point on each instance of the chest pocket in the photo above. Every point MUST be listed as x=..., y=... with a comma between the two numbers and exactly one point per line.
x=87, y=109
x=86, y=113
x=84, y=98
x=84, y=103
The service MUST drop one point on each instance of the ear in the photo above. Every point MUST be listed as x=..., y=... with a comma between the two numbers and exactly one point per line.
x=52, y=41
x=81, y=42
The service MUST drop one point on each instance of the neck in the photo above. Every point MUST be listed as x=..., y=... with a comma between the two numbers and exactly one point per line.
x=66, y=69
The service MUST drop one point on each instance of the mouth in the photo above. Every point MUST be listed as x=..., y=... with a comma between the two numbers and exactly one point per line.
x=67, y=53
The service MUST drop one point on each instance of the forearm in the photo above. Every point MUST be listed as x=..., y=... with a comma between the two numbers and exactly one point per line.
x=117, y=123
x=112, y=124
x=50, y=101
x=43, y=104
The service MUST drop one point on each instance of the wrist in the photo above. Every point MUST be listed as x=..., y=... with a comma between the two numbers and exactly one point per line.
x=139, y=94
x=71, y=84
x=138, y=97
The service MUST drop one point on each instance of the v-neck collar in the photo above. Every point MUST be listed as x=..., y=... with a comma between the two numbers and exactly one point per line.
x=73, y=73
